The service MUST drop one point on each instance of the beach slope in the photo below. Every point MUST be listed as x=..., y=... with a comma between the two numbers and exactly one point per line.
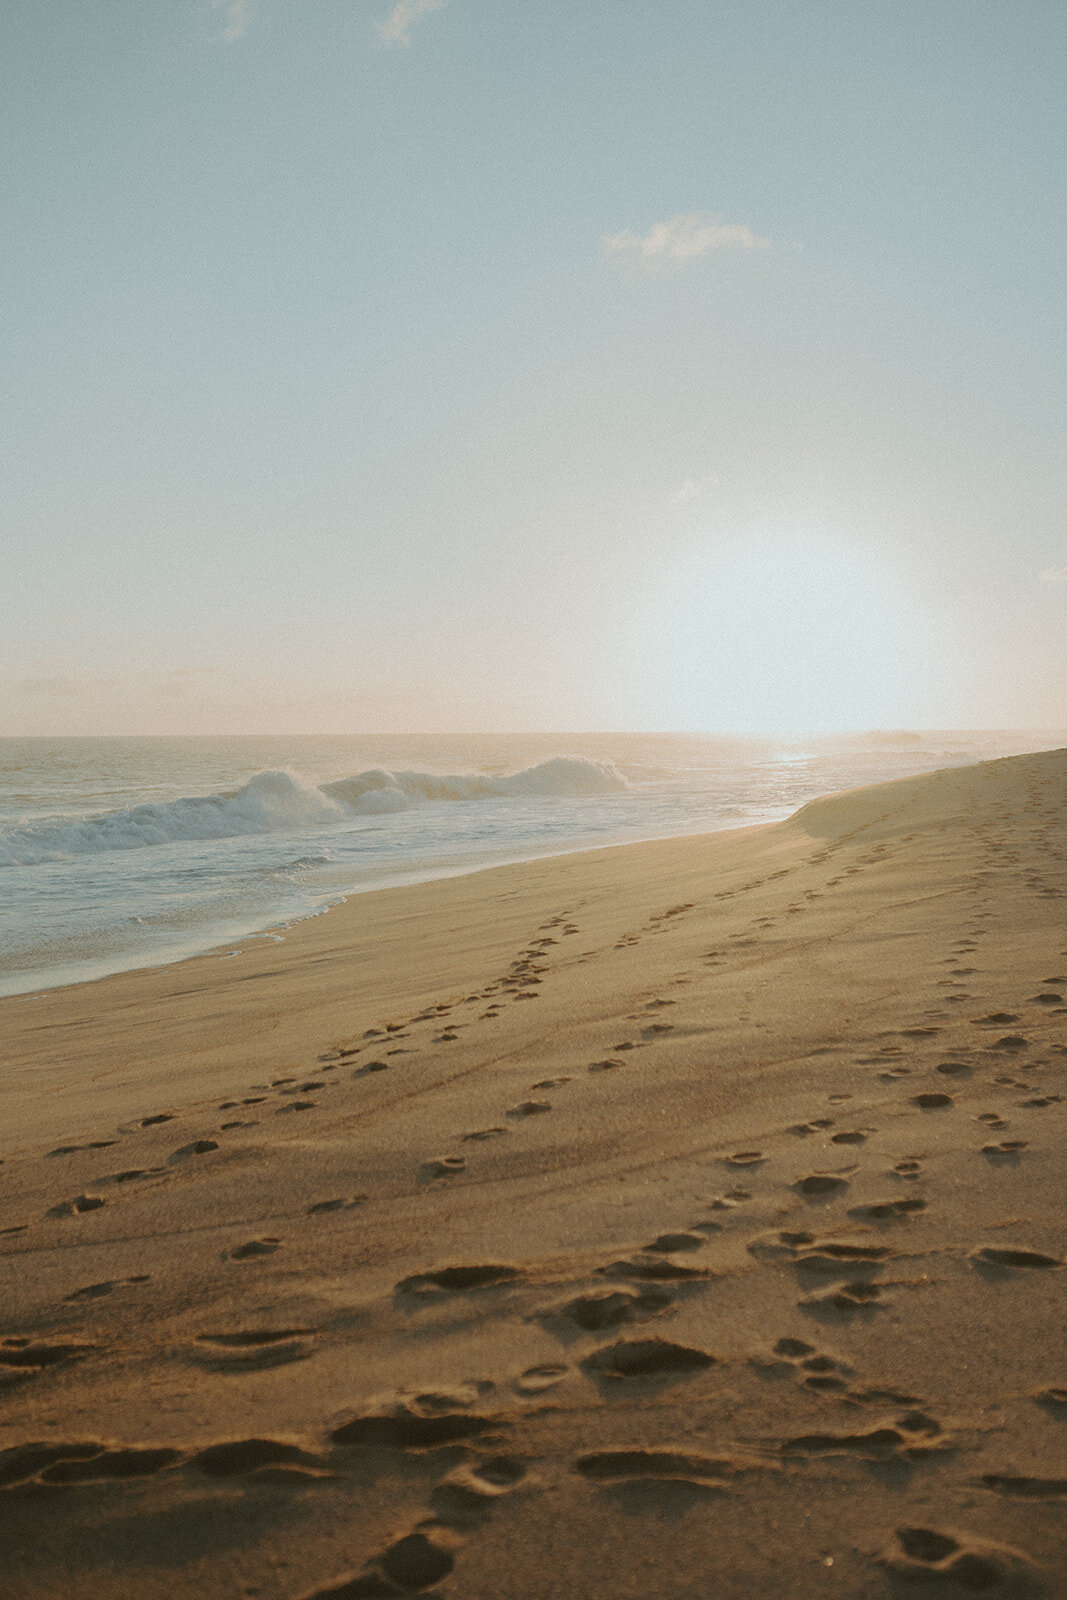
x=668, y=1221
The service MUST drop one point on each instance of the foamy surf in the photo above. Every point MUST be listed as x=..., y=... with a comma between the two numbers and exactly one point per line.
x=281, y=801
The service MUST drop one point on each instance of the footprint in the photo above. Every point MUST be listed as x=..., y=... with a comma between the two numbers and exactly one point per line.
x=914, y=1435
x=110, y=1465
x=960, y=1562
x=604, y=1066
x=652, y=1267
x=474, y=1482
x=612, y=1307
x=817, y=1372
x=779, y=1246
x=441, y=1167
x=837, y=1260
x=320, y=1207
x=80, y=1463
x=406, y=1427
x=668, y=1243
x=75, y=1149
x=646, y=1358
x=1027, y=1488
x=243, y=1456
x=420, y=1559
x=199, y=1147
x=987, y=1256
x=80, y=1203
x=844, y=1300
x=252, y=1249
x=824, y=1374
x=529, y=1108
x=459, y=1280
x=252, y=1338
x=485, y=1133
x=815, y=1185
x=95, y=1291
x=22, y=1353
x=932, y=1101
x=612, y=1466
x=887, y=1210
x=252, y=1349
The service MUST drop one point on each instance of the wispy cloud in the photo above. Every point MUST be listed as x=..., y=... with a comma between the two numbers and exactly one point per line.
x=1054, y=575
x=396, y=28
x=238, y=16
x=693, y=488
x=684, y=238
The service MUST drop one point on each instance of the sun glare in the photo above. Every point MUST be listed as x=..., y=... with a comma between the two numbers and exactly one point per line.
x=780, y=633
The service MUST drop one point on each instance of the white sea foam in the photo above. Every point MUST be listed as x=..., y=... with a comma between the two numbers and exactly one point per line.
x=280, y=801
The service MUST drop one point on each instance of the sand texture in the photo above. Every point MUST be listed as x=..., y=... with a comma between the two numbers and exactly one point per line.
x=681, y=1221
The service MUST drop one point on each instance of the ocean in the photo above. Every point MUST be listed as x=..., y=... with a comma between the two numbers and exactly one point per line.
x=134, y=852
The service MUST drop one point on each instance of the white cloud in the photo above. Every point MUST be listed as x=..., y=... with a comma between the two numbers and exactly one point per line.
x=693, y=488
x=396, y=29
x=1054, y=575
x=684, y=238
x=238, y=16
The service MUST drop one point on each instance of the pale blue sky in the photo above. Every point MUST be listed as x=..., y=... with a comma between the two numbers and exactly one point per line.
x=638, y=363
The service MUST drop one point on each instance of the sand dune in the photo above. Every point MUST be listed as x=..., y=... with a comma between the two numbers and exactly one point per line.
x=670, y=1221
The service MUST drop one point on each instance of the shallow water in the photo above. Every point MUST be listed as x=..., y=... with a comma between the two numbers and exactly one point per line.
x=121, y=853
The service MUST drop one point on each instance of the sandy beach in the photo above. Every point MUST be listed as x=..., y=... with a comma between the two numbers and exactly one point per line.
x=671, y=1221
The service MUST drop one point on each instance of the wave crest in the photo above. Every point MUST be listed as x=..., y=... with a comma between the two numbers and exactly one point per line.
x=279, y=801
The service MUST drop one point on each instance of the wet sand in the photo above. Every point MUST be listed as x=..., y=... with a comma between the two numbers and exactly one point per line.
x=674, y=1221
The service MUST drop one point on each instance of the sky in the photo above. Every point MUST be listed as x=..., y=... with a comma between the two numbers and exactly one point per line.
x=463, y=365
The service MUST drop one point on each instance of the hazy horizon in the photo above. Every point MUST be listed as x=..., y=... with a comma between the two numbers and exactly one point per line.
x=406, y=366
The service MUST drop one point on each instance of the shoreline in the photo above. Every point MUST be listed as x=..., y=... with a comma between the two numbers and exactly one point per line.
x=398, y=881
x=644, y=1221
x=91, y=907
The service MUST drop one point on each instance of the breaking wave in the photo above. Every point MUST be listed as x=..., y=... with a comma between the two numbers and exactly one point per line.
x=282, y=802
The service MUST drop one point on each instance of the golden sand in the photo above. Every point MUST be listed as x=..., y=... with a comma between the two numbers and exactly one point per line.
x=674, y=1221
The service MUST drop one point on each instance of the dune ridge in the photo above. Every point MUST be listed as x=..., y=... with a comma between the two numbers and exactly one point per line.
x=674, y=1219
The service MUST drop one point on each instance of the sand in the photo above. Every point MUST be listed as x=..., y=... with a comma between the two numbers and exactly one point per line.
x=679, y=1221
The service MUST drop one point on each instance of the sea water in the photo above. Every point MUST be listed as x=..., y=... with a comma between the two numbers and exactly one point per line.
x=134, y=852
